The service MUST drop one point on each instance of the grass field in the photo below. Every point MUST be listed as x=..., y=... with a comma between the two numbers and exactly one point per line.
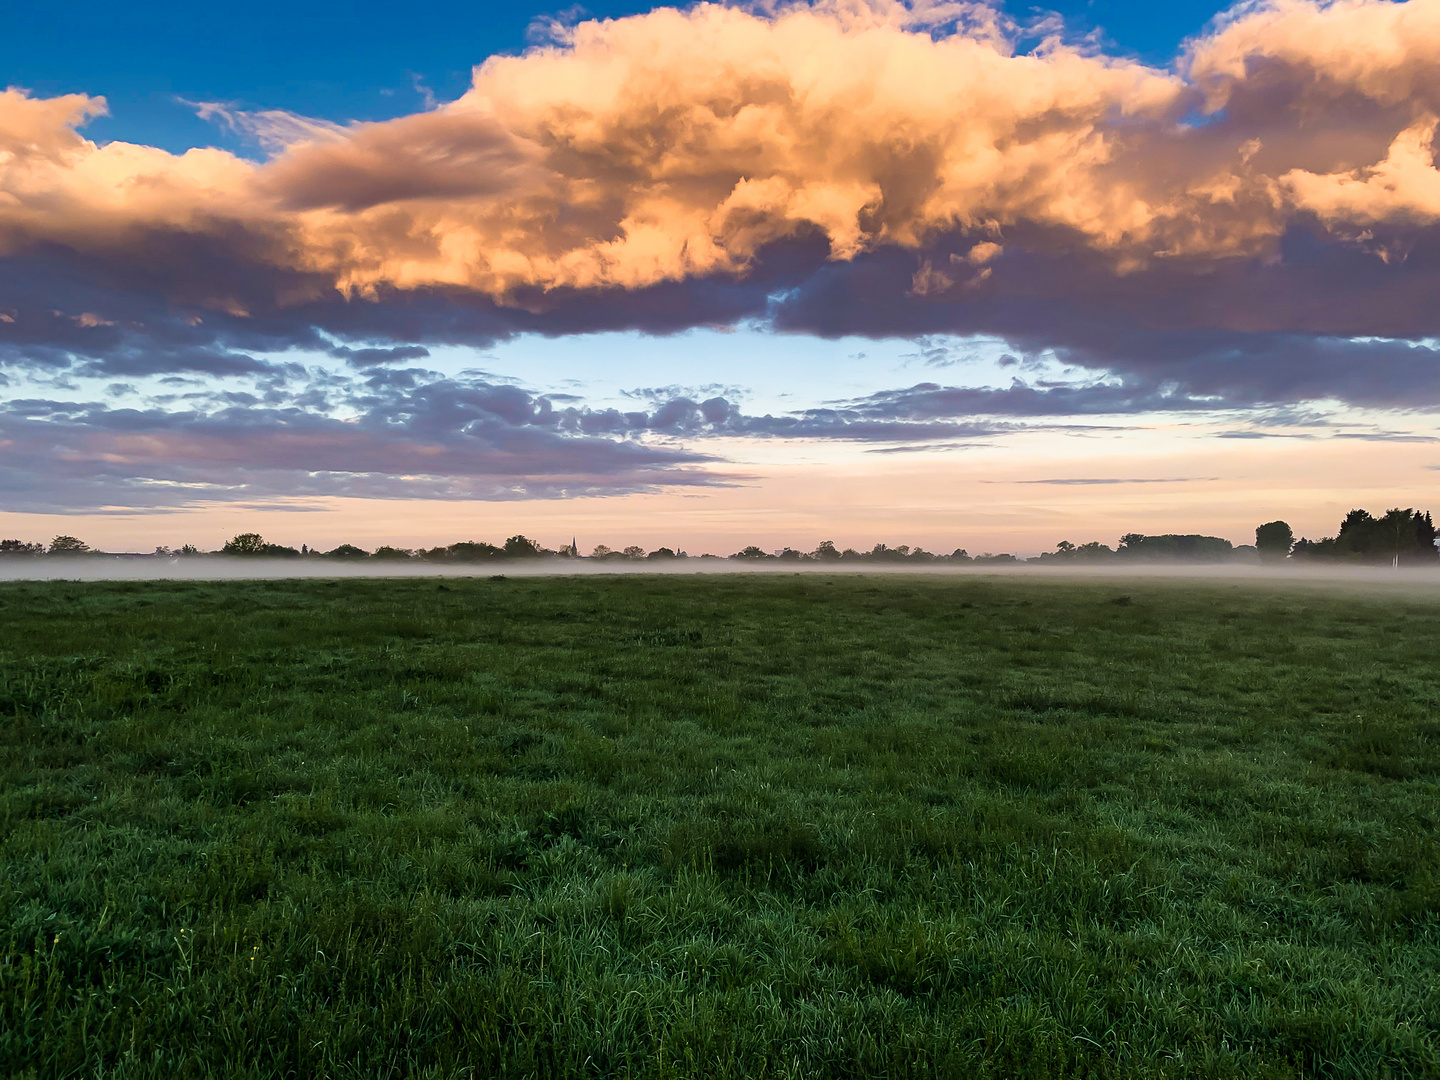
x=738, y=826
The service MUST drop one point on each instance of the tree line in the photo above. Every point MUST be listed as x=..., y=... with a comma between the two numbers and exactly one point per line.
x=1399, y=538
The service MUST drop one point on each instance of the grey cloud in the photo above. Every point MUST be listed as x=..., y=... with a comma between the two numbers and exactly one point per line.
x=369, y=357
x=1324, y=320
x=1251, y=434
x=1386, y=436
x=929, y=401
x=1358, y=331
x=389, y=432
x=1086, y=481
x=442, y=439
x=925, y=448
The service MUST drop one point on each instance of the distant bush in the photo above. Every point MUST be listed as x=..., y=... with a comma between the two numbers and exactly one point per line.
x=1066, y=552
x=393, y=553
x=252, y=545
x=68, y=545
x=465, y=551
x=1188, y=547
x=752, y=552
x=522, y=547
x=244, y=544
x=1273, y=541
x=347, y=551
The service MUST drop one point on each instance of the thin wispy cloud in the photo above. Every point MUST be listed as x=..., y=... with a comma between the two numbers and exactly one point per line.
x=1084, y=481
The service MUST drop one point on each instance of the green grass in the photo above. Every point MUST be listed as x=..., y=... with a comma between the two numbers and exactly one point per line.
x=733, y=826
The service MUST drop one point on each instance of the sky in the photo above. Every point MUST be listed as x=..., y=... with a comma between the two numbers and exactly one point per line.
x=936, y=273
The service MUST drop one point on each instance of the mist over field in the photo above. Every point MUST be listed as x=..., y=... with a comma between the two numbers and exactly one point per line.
x=1422, y=580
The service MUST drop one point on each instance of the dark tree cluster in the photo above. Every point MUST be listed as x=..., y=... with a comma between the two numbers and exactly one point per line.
x=61, y=545
x=1399, y=538
x=253, y=544
x=1138, y=547
x=466, y=551
x=827, y=552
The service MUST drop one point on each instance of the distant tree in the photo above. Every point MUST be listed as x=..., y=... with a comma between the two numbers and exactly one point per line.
x=752, y=552
x=1273, y=541
x=68, y=545
x=960, y=555
x=279, y=551
x=826, y=552
x=521, y=547
x=20, y=548
x=1189, y=547
x=1066, y=552
x=1305, y=550
x=1410, y=536
x=188, y=549
x=633, y=551
x=600, y=551
x=244, y=544
x=789, y=554
x=1245, y=553
x=467, y=551
x=661, y=553
x=392, y=553
x=347, y=551
x=1400, y=538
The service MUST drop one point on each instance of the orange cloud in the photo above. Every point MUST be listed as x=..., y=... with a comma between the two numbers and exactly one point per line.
x=1382, y=50
x=679, y=144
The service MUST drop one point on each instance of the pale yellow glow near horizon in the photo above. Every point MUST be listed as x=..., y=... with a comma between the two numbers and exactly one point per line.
x=979, y=498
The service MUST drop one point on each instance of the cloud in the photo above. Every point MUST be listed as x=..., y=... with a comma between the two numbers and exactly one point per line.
x=273, y=129
x=394, y=435
x=1387, y=436
x=1088, y=481
x=382, y=431
x=1244, y=226
x=368, y=357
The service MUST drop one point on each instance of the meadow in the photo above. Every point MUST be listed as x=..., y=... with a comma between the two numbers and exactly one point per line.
x=741, y=826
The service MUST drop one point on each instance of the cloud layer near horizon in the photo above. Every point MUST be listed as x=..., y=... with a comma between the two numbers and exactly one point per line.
x=1258, y=226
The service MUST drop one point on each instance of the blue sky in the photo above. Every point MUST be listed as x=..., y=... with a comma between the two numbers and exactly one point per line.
x=365, y=60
